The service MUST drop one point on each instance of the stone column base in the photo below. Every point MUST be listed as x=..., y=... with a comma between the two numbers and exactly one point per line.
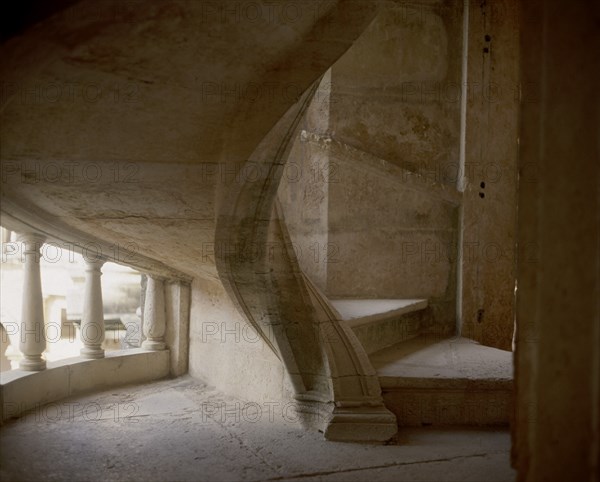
x=347, y=422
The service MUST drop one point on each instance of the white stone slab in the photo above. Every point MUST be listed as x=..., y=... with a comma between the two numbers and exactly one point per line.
x=354, y=309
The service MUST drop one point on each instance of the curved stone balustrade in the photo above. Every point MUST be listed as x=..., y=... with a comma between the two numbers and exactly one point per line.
x=21, y=390
x=37, y=382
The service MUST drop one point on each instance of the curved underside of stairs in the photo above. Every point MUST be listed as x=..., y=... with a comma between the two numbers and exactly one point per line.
x=140, y=133
x=122, y=131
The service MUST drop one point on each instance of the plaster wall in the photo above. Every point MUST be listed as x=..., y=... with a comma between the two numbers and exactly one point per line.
x=227, y=353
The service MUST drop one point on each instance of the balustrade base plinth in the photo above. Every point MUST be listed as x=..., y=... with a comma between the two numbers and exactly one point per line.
x=92, y=353
x=154, y=345
x=32, y=363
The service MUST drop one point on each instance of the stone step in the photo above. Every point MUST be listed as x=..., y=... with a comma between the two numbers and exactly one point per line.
x=452, y=381
x=379, y=324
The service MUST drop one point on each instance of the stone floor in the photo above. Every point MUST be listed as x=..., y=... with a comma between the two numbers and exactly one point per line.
x=453, y=357
x=180, y=430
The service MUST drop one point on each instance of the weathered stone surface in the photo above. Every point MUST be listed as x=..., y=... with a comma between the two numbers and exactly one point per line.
x=452, y=381
x=121, y=127
x=164, y=130
x=556, y=427
x=22, y=391
x=215, y=437
x=489, y=207
x=396, y=93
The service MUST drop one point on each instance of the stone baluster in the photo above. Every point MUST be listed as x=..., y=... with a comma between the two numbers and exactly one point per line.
x=92, y=318
x=32, y=337
x=154, y=315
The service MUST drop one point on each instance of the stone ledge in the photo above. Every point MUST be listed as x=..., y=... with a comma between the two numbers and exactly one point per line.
x=457, y=384
x=21, y=390
x=414, y=407
x=379, y=324
x=376, y=310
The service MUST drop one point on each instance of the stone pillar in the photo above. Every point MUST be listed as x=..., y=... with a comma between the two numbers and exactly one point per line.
x=154, y=315
x=32, y=337
x=92, y=318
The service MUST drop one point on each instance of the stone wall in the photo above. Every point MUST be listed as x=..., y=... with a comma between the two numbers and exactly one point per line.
x=391, y=240
x=396, y=96
x=489, y=208
x=227, y=353
x=417, y=132
x=396, y=92
x=557, y=424
x=304, y=191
